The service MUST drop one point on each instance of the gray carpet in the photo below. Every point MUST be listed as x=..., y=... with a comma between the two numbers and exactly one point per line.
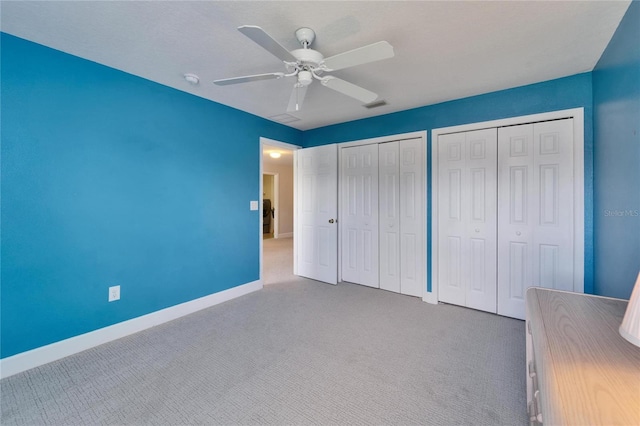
x=297, y=352
x=278, y=260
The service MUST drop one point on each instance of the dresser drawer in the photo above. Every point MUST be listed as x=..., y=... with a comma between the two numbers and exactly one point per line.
x=534, y=408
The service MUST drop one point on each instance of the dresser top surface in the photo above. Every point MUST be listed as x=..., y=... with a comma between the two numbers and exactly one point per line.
x=591, y=375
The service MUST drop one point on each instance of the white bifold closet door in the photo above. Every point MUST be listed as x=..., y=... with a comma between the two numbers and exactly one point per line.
x=467, y=203
x=535, y=213
x=505, y=214
x=401, y=216
x=359, y=218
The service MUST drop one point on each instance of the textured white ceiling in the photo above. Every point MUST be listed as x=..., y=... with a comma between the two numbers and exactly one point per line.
x=444, y=50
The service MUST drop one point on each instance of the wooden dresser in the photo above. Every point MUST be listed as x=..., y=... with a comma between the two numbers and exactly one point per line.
x=580, y=371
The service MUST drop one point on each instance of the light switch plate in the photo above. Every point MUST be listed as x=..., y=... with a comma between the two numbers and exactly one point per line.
x=253, y=205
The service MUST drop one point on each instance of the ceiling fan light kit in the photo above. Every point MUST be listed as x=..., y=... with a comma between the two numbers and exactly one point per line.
x=305, y=78
x=308, y=64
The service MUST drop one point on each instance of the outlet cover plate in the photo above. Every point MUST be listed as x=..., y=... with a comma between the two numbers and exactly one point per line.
x=114, y=293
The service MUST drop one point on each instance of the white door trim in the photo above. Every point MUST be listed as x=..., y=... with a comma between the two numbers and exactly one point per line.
x=284, y=145
x=422, y=134
x=578, y=183
x=382, y=139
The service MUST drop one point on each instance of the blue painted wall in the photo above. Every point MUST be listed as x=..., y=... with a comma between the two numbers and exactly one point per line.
x=616, y=99
x=564, y=93
x=110, y=179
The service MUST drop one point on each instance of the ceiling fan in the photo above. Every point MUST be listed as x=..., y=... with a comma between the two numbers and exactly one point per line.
x=307, y=64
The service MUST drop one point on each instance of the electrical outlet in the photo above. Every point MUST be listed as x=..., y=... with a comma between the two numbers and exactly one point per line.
x=114, y=293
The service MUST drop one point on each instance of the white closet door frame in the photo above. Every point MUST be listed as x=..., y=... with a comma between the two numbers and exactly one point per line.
x=411, y=135
x=578, y=185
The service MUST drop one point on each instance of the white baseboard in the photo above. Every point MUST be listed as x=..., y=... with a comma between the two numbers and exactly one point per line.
x=285, y=235
x=45, y=354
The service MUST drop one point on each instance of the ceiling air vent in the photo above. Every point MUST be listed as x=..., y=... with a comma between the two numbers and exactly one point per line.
x=284, y=118
x=376, y=104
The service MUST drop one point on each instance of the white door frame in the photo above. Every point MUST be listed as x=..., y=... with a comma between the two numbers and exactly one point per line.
x=283, y=145
x=578, y=184
x=411, y=135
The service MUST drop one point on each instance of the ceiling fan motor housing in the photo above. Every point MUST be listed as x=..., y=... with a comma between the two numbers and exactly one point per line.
x=308, y=57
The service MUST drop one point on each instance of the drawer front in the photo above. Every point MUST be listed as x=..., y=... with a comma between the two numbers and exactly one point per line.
x=530, y=366
x=534, y=405
x=533, y=409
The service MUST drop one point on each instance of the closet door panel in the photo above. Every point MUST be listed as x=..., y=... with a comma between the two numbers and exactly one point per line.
x=359, y=217
x=554, y=228
x=536, y=211
x=389, y=169
x=516, y=211
x=479, y=206
x=452, y=271
x=467, y=199
x=518, y=266
x=412, y=257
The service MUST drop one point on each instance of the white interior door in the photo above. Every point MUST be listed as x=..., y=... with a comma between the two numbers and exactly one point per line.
x=389, y=193
x=412, y=256
x=359, y=214
x=536, y=229
x=317, y=210
x=467, y=198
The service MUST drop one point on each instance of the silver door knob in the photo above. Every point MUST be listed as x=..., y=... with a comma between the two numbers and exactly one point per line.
x=477, y=230
x=518, y=233
x=331, y=221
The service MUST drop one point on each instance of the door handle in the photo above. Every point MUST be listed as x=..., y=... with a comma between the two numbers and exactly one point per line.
x=331, y=221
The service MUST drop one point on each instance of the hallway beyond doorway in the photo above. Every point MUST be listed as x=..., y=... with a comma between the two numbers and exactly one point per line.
x=278, y=260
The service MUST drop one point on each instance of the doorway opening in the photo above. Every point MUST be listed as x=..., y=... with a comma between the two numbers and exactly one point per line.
x=277, y=205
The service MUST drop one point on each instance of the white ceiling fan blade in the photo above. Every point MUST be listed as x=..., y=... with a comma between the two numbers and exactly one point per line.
x=349, y=89
x=363, y=55
x=247, y=78
x=297, y=97
x=267, y=42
